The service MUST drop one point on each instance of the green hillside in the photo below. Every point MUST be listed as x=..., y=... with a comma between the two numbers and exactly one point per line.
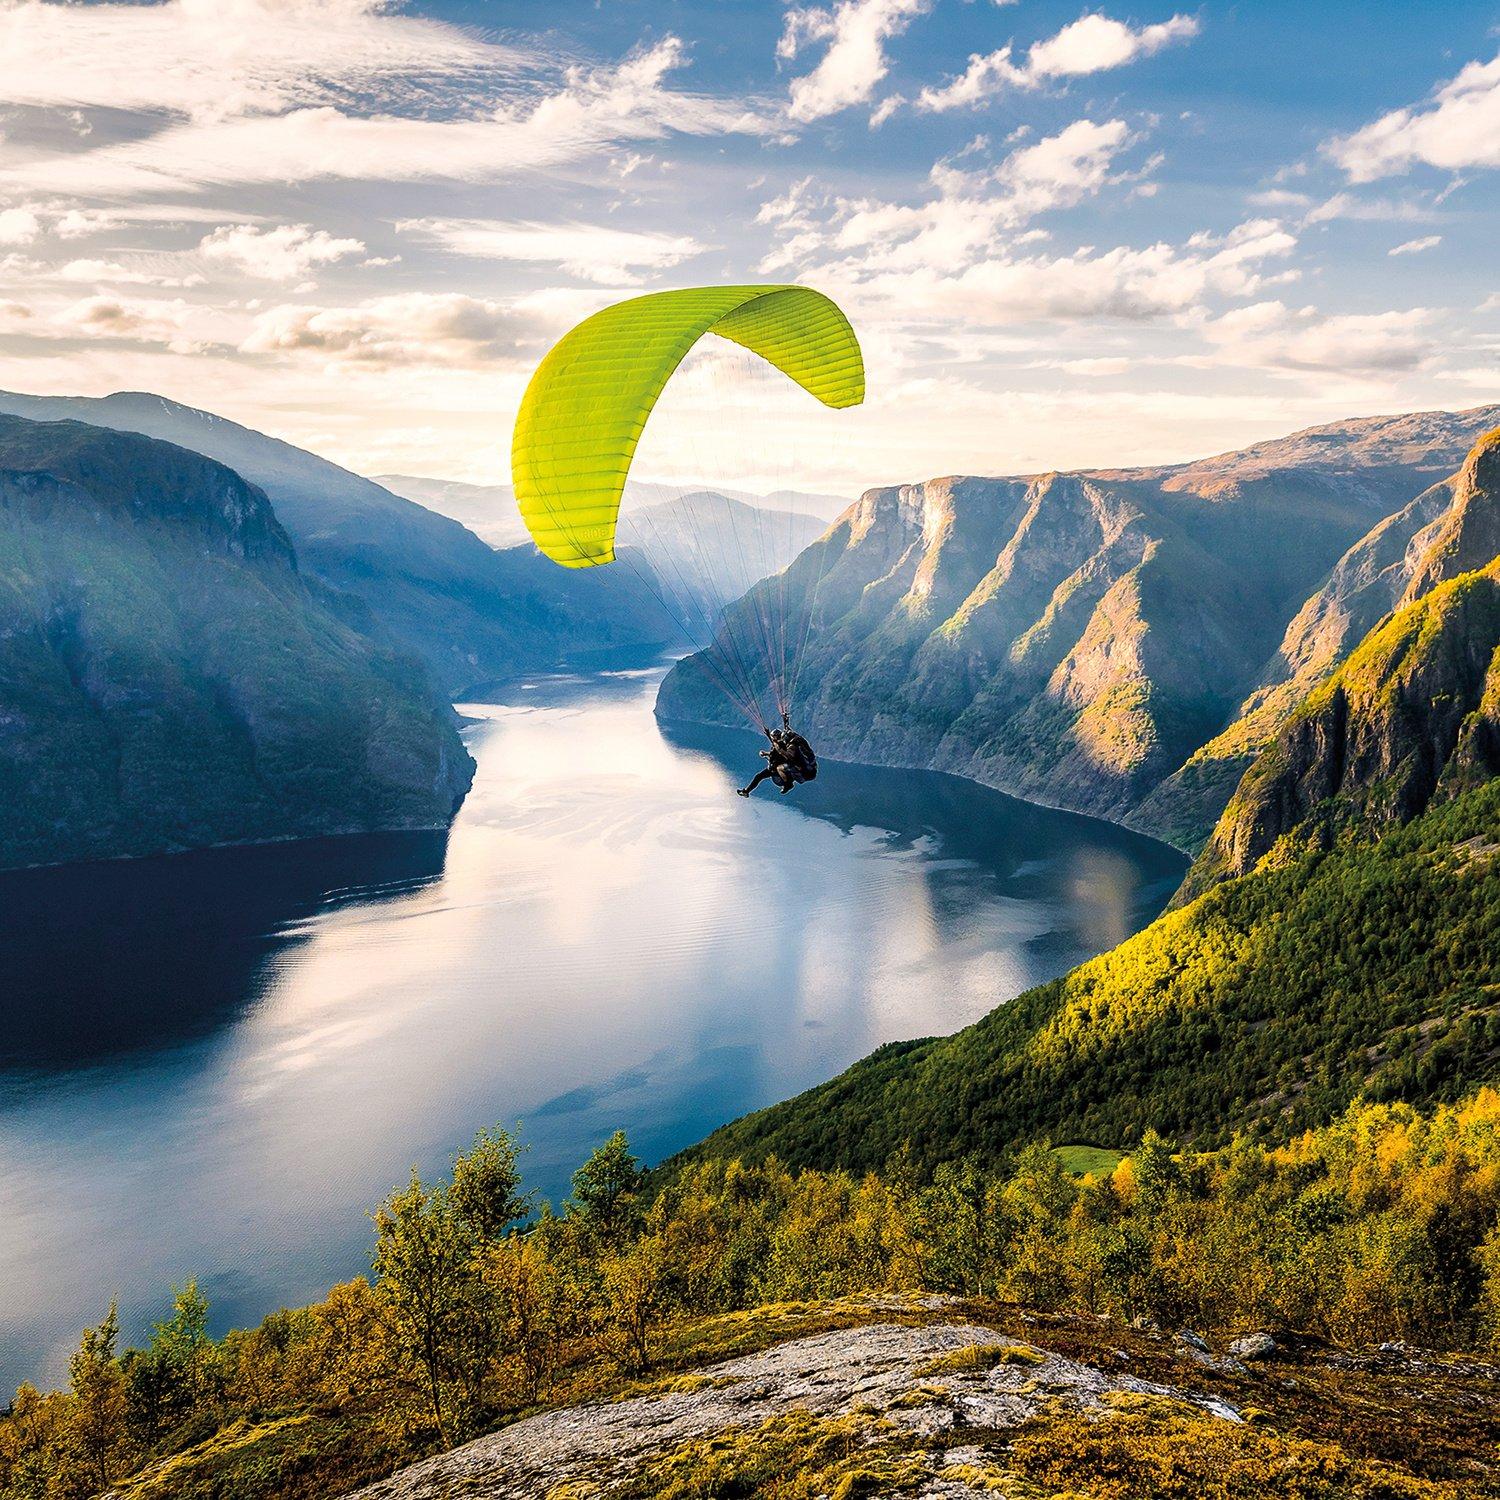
x=168, y=678
x=1267, y=1004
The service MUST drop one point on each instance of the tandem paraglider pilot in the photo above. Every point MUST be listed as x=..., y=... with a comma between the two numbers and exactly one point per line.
x=790, y=760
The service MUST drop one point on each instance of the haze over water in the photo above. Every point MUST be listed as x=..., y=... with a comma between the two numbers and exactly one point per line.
x=214, y=1064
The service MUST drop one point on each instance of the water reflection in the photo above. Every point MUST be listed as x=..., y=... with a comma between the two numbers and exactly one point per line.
x=216, y=1063
x=104, y=959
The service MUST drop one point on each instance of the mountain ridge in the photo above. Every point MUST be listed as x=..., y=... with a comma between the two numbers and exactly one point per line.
x=1077, y=638
x=1339, y=936
x=429, y=585
x=170, y=678
x=1410, y=715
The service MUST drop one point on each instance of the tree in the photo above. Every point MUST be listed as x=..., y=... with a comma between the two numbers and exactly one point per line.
x=605, y=1188
x=1157, y=1174
x=427, y=1270
x=486, y=1191
x=168, y=1379
x=97, y=1434
x=634, y=1286
x=541, y=1306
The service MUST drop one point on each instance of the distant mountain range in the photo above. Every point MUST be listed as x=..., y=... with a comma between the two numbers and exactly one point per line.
x=489, y=510
x=707, y=550
x=169, y=678
x=426, y=584
x=1118, y=642
x=1340, y=934
x=702, y=549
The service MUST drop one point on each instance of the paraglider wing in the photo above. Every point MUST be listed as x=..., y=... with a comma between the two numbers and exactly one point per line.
x=587, y=404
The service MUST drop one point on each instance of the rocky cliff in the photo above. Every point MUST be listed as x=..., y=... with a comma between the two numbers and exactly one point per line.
x=1357, y=957
x=1078, y=638
x=169, y=678
x=1413, y=715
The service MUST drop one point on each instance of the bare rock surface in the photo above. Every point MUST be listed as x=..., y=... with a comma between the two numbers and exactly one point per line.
x=884, y=1368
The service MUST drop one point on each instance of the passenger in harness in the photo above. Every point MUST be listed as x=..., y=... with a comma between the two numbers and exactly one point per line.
x=789, y=760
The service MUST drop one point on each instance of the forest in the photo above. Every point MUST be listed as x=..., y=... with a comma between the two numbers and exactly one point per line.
x=1381, y=1226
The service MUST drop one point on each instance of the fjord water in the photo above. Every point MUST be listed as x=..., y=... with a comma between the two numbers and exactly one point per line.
x=212, y=1065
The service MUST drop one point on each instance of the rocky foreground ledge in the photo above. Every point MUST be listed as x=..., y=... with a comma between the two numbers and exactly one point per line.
x=951, y=1407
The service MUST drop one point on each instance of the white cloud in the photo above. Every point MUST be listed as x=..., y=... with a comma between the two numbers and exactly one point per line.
x=119, y=275
x=1458, y=128
x=597, y=253
x=1130, y=285
x=144, y=320
x=593, y=109
x=984, y=75
x=79, y=223
x=968, y=213
x=286, y=253
x=1415, y=247
x=413, y=328
x=856, y=32
x=18, y=226
x=1372, y=210
x=1273, y=336
x=1061, y=169
x=1097, y=43
x=1094, y=368
x=1093, y=44
x=212, y=59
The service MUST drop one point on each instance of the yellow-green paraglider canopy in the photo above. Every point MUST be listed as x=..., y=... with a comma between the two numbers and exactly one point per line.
x=587, y=404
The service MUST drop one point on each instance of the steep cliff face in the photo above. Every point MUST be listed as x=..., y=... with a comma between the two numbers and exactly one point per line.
x=169, y=679
x=1079, y=638
x=1446, y=529
x=1410, y=716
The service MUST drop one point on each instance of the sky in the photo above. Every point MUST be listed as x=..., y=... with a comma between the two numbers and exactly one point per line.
x=1066, y=236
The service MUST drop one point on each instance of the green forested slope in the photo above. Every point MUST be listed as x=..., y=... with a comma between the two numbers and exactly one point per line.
x=1270, y=1002
x=1358, y=951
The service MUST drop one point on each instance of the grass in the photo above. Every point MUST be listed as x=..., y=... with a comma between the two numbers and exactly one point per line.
x=974, y=1358
x=1089, y=1161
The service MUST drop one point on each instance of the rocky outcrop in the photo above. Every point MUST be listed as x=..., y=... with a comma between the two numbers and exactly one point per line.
x=1078, y=639
x=1411, y=717
x=1466, y=535
x=170, y=679
x=1447, y=529
x=945, y=1378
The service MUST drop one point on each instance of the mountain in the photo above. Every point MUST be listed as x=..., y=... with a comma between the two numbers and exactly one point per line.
x=702, y=548
x=1265, y=1006
x=1356, y=953
x=1413, y=715
x=488, y=510
x=170, y=679
x=425, y=582
x=1078, y=638
x=707, y=550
